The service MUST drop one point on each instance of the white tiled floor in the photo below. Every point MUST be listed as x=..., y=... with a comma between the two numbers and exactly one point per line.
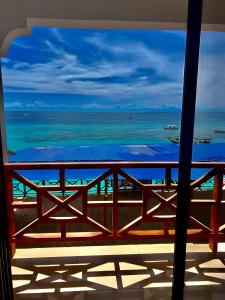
x=138, y=271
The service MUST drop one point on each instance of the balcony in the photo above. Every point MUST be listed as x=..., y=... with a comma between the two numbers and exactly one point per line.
x=118, y=230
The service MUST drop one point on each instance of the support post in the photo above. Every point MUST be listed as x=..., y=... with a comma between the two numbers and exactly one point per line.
x=5, y=259
x=186, y=141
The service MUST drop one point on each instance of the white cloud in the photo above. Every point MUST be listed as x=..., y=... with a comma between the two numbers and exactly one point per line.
x=4, y=60
x=211, y=79
x=37, y=104
x=95, y=105
x=14, y=104
x=139, y=55
x=65, y=74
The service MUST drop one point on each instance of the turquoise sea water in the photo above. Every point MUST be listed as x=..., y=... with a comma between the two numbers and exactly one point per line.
x=58, y=129
x=44, y=129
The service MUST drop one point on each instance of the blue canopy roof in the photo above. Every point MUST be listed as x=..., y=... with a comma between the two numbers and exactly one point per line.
x=157, y=152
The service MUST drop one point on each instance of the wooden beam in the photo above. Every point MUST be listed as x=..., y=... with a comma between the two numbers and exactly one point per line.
x=106, y=165
x=5, y=259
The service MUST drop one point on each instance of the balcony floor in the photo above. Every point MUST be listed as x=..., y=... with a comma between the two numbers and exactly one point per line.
x=137, y=271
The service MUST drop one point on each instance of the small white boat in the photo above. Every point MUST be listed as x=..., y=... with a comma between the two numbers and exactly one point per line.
x=171, y=127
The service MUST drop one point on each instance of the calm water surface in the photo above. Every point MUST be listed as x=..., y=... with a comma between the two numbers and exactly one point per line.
x=44, y=129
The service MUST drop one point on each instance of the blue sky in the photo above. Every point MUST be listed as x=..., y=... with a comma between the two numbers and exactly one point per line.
x=109, y=70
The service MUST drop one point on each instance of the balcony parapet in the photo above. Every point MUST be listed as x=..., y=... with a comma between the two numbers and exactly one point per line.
x=115, y=205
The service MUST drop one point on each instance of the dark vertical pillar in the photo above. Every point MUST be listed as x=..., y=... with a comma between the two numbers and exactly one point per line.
x=187, y=132
x=5, y=257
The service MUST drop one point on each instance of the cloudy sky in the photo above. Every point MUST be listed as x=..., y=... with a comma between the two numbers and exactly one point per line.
x=109, y=70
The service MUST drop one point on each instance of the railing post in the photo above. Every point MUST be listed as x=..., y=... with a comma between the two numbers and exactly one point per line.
x=145, y=197
x=216, y=210
x=168, y=177
x=105, y=207
x=105, y=216
x=85, y=204
x=24, y=191
x=99, y=188
x=106, y=186
x=115, y=204
x=39, y=205
x=63, y=230
x=62, y=180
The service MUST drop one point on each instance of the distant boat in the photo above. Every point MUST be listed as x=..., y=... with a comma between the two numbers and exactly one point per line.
x=130, y=118
x=219, y=131
x=174, y=139
x=10, y=152
x=196, y=140
x=25, y=115
x=171, y=127
x=202, y=140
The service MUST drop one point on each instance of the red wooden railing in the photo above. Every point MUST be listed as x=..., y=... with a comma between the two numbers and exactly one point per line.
x=114, y=218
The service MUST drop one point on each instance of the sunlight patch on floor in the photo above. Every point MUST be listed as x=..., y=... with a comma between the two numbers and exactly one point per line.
x=114, y=269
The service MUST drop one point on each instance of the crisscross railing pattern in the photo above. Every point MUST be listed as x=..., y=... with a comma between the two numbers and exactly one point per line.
x=148, y=211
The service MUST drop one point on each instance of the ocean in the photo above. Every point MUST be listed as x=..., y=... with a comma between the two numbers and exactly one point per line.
x=51, y=129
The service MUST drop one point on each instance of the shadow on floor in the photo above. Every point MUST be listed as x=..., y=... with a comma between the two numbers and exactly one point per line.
x=126, y=276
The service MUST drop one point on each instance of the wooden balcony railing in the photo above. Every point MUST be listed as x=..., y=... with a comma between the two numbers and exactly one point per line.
x=121, y=206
